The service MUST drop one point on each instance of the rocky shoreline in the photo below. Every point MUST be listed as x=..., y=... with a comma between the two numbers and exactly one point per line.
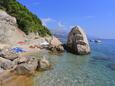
x=16, y=47
x=14, y=43
x=25, y=63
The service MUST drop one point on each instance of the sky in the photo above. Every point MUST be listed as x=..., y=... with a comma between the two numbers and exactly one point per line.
x=96, y=17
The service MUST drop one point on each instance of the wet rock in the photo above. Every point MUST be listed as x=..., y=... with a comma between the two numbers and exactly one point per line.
x=77, y=41
x=60, y=48
x=27, y=68
x=24, y=69
x=43, y=64
x=112, y=66
x=56, y=49
x=6, y=64
x=55, y=46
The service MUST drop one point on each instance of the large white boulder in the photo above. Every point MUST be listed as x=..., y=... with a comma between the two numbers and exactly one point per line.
x=77, y=41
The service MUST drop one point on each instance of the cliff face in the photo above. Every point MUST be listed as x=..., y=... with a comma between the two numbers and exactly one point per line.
x=9, y=32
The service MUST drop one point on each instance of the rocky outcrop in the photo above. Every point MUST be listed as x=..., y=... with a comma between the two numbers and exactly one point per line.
x=77, y=41
x=55, y=41
x=55, y=45
x=6, y=64
x=1, y=70
x=9, y=32
x=26, y=65
x=8, y=54
x=43, y=64
x=22, y=65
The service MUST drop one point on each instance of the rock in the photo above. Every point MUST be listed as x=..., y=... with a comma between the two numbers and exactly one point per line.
x=27, y=68
x=112, y=66
x=43, y=64
x=6, y=64
x=8, y=54
x=20, y=60
x=55, y=41
x=56, y=49
x=4, y=46
x=60, y=48
x=9, y=32
x=48, y=39
x=77, y=41
x=1, y=53
x=1, y=70
x=56, y=45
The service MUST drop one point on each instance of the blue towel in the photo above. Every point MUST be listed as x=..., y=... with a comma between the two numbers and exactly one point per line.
x=17, y=50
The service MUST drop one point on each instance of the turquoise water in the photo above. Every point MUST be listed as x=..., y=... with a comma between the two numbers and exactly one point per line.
x=89, y=70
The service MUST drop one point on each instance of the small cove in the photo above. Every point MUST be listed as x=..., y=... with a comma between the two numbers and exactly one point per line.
x=73, y=70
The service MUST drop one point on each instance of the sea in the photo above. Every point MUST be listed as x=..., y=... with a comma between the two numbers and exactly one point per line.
x=95, y=69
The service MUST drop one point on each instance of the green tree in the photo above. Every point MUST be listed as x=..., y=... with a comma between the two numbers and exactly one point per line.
x=27, y=21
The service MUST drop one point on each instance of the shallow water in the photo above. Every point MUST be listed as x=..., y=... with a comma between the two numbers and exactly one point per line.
x=89, y=70
x=15, y=80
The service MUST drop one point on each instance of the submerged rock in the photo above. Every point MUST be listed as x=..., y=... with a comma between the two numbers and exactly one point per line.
x=112, y=66
x=77, y=41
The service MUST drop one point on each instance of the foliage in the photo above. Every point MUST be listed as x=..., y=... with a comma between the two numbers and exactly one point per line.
x=27, y=21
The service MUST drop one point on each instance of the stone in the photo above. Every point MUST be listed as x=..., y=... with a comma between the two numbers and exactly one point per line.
x=8, y=54
x=1, y=70
x=20, y=60
x=55, y=41
x=6, y=64
x=77, y=42
x=27, y=68
x=60, y=48
x=55, y=45
x=9, y=31
x=43, y=64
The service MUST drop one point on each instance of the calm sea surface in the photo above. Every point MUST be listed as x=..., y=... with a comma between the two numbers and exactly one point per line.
x=96, y=69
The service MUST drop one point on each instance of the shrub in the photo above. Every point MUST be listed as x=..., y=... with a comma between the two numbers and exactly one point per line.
x=27, y=21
